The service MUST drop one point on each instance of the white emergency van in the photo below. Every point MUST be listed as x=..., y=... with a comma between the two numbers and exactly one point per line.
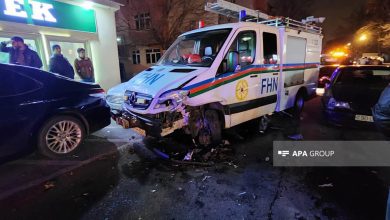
x=220, y=76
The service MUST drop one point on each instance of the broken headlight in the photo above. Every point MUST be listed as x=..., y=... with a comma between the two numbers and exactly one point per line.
x=171, y=99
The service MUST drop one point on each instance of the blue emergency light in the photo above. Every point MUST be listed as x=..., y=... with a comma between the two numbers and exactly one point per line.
x=242, y=15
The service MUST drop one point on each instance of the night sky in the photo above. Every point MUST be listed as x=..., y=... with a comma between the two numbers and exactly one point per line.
x=337, y=13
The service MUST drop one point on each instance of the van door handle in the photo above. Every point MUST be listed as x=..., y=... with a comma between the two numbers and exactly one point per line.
x=254, y=76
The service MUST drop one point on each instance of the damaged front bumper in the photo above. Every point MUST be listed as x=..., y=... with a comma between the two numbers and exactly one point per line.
x=158, y=125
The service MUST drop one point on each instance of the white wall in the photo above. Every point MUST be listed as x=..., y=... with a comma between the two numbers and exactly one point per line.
x=105, y=50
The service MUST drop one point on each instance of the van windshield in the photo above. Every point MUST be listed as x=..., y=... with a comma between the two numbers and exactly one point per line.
x=198, y=49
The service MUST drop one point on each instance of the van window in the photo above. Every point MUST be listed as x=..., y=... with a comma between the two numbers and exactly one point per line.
x=245, y=45
x=198, y=49
x=270, y=48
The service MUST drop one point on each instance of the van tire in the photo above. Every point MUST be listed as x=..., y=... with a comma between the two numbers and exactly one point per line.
x=211, y=132
x=299, y=103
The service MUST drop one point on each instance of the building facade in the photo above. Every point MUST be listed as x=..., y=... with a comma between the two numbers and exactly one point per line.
x=71, y=24
x=146, y=29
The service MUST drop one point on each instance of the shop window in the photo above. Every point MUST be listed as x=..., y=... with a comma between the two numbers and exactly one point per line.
x=142, y=21
x=69, y=50
x=270, y=48
x=153, y=55
x=136, y=57
x=4, y=57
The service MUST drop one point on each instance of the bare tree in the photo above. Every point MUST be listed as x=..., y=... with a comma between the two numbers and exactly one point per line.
x=296, y=9
x=169, y=18
x=178, y=16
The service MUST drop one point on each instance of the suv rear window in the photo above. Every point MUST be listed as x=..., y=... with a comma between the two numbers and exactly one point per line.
x=359, y=77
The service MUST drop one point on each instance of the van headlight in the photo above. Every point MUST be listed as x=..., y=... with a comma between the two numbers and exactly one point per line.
x=333, y=103
x=171, y=99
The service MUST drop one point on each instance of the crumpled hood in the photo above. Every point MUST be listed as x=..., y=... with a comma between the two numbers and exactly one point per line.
x=159, y=79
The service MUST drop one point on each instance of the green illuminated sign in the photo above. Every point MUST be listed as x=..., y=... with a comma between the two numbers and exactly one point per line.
x=49, y=14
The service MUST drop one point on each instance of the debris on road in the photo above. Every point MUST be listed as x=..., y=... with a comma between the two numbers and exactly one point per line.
x=326, y=185
x=188, y=156
x=241, y=194
x=49, y=185
x=296, y=137
x=205, y=178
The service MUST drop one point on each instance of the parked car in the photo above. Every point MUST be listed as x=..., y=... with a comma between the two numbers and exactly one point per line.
x=352, y=92
x=115, y=99
x=46, y=111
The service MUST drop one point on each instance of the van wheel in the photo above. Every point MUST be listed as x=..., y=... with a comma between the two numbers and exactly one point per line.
x=211, y=132
x=60, y=136
x=299, y=103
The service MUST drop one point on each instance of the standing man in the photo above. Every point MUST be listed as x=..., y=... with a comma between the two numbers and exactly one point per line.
x=20, y=53
x=59, y=64
x=84, y=67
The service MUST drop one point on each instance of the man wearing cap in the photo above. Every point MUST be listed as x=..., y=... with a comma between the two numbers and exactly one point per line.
x=84, y=67
x=20, y=53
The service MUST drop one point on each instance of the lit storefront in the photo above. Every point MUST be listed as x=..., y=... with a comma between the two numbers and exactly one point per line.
x=71, y=24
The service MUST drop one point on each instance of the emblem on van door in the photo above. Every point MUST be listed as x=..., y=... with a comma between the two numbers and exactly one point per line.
x=242, y=90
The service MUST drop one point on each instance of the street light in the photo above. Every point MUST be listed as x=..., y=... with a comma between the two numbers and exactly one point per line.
x=363, y=37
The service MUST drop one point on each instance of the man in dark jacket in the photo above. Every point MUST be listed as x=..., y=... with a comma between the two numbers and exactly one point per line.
x=20, y=54
x=59, y=64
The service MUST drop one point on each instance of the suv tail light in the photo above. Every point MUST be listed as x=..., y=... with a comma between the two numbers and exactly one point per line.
x=98, y=93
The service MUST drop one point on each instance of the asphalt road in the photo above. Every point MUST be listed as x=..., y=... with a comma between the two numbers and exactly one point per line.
x=122, y=179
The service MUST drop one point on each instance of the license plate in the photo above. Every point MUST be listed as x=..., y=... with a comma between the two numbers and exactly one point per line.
x=140, y=131
x=125, y=124
x=140, y=101
x=366, y=118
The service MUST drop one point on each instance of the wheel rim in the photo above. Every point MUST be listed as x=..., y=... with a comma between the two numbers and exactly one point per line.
x=63, y=137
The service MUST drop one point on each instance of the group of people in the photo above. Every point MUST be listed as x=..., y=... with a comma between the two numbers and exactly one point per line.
x=21, y=54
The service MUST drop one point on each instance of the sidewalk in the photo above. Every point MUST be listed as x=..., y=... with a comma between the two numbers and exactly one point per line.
x=34, y=170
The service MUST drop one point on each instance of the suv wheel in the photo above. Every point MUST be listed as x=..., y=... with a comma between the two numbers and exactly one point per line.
x=60, y=136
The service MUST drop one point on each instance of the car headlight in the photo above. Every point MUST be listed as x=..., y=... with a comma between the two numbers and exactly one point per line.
x=333, y=103
x=171, y=99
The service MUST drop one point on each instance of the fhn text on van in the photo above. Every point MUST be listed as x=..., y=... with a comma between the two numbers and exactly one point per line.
x=40, y=10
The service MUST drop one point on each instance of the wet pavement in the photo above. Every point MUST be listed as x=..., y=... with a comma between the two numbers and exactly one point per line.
x=116, y=176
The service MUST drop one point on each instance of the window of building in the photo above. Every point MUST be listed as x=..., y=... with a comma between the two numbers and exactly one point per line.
x=4, y=57
x=69, y=50
x=270, y=48
x=136, y=57
x=142, y=21
x=153, y=55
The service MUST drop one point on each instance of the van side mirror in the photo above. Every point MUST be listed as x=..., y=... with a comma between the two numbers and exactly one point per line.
x=325, y=80
x=232, y=61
